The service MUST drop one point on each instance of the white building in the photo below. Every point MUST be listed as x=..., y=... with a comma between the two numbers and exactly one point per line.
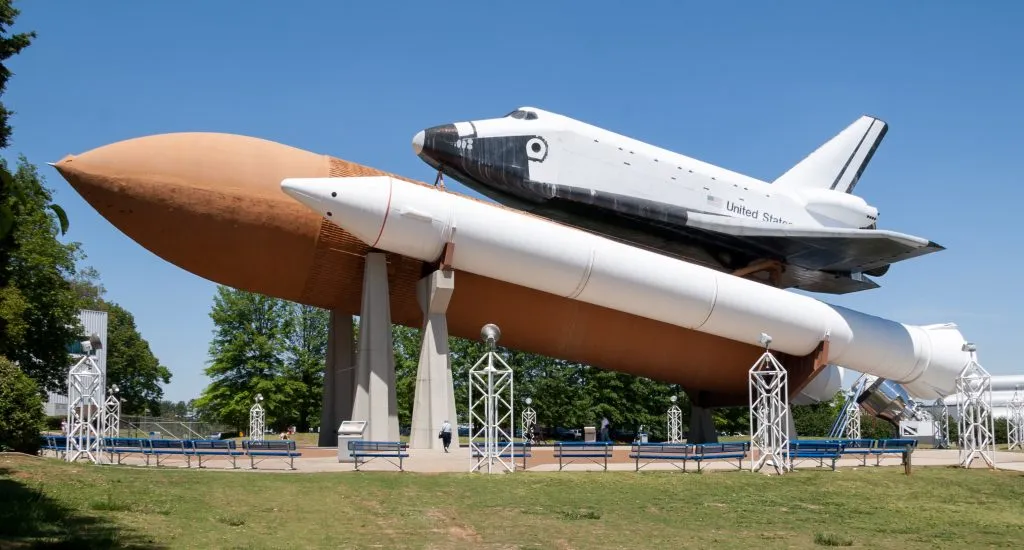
x=95, y=322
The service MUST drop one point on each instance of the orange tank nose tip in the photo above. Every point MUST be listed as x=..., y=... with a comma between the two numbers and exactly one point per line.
x=209, y=203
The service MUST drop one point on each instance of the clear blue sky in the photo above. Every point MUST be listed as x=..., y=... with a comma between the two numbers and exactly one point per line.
x=750, y=86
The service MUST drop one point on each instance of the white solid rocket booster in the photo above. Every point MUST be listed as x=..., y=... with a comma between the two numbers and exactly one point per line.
x=416, y=220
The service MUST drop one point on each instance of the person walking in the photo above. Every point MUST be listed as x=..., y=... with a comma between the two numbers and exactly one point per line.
x=446, y=434
x=604, y=429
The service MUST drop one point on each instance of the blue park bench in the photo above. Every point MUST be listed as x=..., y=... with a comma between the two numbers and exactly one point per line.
x=365, y=451
x=518, y=449
x=213, y=447
x=721, y=451
x=158, y=448
x=57, y=444
x=597, y=452
x=902, y=447
x=862, y=447
x=670, y=452
x=815, y=449
x=284, y=448
x=121, y=446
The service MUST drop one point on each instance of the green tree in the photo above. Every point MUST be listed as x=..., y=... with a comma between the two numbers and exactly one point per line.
x=88, y=290
x=558, y=391
x=12, y=192
x=406, y=343
x=38, y=306
x=307, y=358
x=872, y=427
x=247, y=356
x=131, y=364
x=171, y=409
x=34, y=312
x=21, y=410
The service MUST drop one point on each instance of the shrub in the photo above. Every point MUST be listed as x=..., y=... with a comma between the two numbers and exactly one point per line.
x=21, y=410
x=53, y=423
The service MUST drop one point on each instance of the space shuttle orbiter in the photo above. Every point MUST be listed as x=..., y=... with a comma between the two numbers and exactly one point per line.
x=806, y=229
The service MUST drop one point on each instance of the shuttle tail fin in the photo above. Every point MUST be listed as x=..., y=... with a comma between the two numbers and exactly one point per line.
x=839, y=162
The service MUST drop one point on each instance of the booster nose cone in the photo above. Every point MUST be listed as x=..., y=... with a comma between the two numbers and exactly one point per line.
x=417, y=142
x=358, y=205
x=306, y=192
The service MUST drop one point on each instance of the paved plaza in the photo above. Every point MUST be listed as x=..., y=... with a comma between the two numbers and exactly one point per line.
x=325, y=459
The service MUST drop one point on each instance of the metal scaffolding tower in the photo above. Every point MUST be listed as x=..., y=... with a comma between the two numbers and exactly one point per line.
x=112, y=414
x=977, y=429
x=529, y=419
x=769, y=407
x=847, y=424
x=256, y=419
x=942, y=427
x=85, y=411
x=1015, y=421
x=491, y=416
x=675, y=422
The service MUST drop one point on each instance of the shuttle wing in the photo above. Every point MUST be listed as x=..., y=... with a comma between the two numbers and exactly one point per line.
x=822, y=248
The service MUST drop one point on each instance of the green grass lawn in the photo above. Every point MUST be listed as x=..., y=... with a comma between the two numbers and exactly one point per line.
x=48, y=502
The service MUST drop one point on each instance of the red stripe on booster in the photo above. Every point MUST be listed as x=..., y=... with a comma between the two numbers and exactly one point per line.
x=387, y=210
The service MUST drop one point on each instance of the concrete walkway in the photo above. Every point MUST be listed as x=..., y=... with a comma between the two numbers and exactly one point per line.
x=325, y=459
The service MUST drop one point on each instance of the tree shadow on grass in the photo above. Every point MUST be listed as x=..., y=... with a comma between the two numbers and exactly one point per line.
x=30, y=519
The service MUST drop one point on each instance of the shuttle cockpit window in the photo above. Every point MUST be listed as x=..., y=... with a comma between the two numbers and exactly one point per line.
x=521, y=114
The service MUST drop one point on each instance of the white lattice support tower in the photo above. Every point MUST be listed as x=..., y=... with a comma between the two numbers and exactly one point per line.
x=852, y=430
x=112, y=414
x=977, y=429
x=491, y=414
x=1015, y=421
x=529, y=419
x=257, y=417
x=769, y=408
x=942, y=428
x=85, y=410
x=675, y=422
x=847, y=424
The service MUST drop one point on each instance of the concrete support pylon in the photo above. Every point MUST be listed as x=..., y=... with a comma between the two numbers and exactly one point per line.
x=791, y=422
x=435, y=390
x=702, y=426
x=339, y=378
x=376, y=401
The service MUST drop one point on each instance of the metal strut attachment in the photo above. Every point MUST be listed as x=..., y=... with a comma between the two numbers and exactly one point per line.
x=439, y=180
x=447, y=261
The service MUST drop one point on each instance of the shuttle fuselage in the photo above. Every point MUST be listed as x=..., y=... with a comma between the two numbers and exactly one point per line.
x=577, y=173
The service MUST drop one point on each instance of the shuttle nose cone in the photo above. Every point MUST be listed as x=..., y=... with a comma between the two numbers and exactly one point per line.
x=417, y=142
x=437, y=145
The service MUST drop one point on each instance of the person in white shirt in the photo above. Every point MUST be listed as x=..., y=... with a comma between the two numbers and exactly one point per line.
x=446, y=434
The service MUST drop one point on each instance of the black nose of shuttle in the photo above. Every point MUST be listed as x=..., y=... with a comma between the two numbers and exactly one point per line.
x=436, y=145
